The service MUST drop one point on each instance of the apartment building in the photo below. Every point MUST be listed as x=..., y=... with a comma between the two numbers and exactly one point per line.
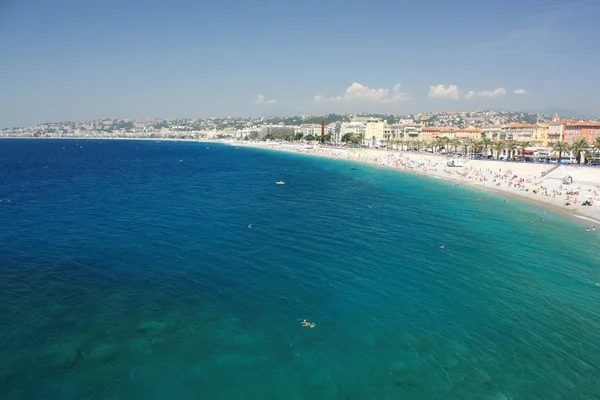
x=376, y=132
x=431, y=133
x=540, y=134
x=468, y=133
x=518, y=132
x=357, y=128
x=587, y=130
x=556, y=130
x=493, y=132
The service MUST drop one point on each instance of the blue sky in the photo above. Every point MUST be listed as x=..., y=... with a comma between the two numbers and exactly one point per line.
x=73, y=59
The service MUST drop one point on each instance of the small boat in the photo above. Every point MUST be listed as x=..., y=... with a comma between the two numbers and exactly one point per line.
x=280, y=183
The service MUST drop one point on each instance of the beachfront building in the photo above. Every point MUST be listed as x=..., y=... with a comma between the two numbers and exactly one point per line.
x=250, y=133
x=429, y=133
x=447, y=132
x=397, y=132
x=334, y=129
x=276, y=130
x=376, y=132
x=354, y=128
x=587, y=130
x=412, y=132
x=310, y=130
x=468, y=133
x=556, y=130
x=517, y=132
x=493, y=132
x=540, y=135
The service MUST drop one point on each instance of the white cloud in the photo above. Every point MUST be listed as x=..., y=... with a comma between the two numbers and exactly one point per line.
x=492, y=93
x=486, y=93
x=443, y=92
x=260, y=99
x=362, y=93
x=521, y=91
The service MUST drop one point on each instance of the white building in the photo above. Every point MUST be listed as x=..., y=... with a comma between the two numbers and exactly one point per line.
x=353, y=128
x=412, y=132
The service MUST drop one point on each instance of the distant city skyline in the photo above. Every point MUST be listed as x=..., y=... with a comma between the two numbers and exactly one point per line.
x=69, y=60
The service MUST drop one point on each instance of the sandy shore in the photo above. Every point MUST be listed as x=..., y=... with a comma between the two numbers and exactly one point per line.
x=510, y=178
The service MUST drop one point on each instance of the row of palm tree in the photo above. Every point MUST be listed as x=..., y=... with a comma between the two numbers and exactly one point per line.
x=579, y=149
x=486, y=146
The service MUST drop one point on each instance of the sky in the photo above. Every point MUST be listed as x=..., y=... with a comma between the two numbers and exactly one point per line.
x=66, y=60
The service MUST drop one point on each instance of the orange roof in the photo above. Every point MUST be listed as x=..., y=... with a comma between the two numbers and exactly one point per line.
x=584, y=123
x=512, y=126
x=469, y=129
x=562, y=121
x=437, y=129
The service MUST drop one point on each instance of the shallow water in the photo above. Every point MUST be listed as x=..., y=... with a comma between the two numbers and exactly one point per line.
x=129, y=272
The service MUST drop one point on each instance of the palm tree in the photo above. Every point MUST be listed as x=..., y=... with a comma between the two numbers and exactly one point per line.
x=437, y=145
x=466, y=144
x=510, y=147
x=454, y=143
x=499, y=147
x=432, y=146
x=446, y=143
x=597, y=144
x=486, y=143
x=561, y=147
x=523, y=145
x=579, y=148
x=477, y=145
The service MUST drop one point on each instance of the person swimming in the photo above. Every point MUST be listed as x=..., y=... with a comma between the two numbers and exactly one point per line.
x=305, y=323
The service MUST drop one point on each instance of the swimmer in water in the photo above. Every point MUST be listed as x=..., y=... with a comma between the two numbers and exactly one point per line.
x=305, y=323
x=442, y=247
x=249, y=225
x=478, y=214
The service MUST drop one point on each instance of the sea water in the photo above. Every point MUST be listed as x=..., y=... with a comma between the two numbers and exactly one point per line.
x=130, y=270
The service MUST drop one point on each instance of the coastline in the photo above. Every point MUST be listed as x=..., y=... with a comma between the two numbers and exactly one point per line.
x=513, y=180
x=519, y=181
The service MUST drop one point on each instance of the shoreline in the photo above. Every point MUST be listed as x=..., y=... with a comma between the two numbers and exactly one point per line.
x=476, y=174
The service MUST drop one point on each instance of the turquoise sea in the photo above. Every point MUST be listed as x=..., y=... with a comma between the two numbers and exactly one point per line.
x=128, y=270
